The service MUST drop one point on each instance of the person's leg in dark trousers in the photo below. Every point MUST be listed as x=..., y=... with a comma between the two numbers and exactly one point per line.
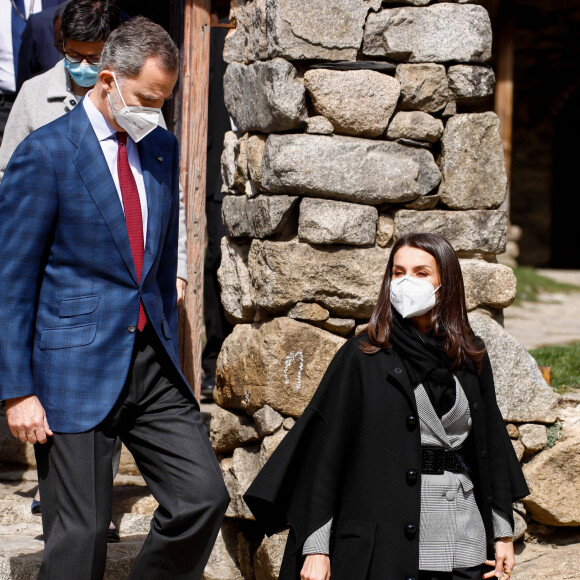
x=76, y=483
x=473, y=573
x=161, y=426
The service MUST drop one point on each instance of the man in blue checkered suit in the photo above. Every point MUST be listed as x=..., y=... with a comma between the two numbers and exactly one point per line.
x=88, y=327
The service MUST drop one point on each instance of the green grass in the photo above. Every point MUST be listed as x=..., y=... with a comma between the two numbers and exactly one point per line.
x=531, y=284
x=565, y=363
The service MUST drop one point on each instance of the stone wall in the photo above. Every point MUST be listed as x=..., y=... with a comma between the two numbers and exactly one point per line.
x=357, y=122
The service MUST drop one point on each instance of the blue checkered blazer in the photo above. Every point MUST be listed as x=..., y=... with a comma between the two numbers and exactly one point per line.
x=68, y=287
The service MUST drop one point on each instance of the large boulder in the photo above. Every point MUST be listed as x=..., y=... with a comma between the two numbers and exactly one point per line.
x=277, y=363
x=467, y=231
x=347, y=169
x=342, y=279
x=523, y=395
x=437, y=33
x=487, y=284
x=424, y=86
x=554, y=482
x=325, y=221
x=258, y=217
x=317, y=29
x=234, y=280
x=265, y=96
x=472, y=162
x=358, y=102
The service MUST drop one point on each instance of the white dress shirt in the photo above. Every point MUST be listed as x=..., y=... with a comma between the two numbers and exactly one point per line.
x=107, y=137
x=7, y=73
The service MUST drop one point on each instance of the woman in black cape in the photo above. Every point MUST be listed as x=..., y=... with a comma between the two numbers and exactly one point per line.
x=400, y=467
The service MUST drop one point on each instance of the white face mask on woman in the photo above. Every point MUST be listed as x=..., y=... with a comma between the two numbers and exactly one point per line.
x=137, y=121
x=412, y=297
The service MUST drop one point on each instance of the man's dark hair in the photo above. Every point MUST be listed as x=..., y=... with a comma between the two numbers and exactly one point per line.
x=130, y=45
x=90, y=20
x=60, y=10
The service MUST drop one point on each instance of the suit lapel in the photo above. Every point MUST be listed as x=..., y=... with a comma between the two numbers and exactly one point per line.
x=94, y=171
x=152, y=166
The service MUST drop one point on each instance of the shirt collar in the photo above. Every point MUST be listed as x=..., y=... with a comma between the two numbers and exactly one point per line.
x=100, y=125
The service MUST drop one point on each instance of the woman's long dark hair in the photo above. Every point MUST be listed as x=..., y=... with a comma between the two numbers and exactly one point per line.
x=448, y=316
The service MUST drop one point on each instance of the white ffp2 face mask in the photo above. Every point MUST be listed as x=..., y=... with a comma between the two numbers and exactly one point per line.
x=137, y=121
x=412, y=297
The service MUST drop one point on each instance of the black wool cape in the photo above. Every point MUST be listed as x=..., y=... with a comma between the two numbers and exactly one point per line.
x=355, y=455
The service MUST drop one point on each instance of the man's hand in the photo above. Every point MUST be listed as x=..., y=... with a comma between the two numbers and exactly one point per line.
x=181, y=284
x=27, y=419
x=316, y=567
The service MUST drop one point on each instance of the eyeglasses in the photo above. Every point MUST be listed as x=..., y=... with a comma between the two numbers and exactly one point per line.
x=76, y=58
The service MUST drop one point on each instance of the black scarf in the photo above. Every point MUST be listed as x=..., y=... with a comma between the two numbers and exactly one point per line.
x=426, y=362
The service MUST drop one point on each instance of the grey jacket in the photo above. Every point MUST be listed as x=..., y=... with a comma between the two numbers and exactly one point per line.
x=451, y=532
x=41, y=100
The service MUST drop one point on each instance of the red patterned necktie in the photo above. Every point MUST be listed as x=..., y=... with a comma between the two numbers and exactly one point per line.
x=133, y=216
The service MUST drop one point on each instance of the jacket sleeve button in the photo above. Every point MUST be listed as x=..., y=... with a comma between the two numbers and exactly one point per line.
x=398, y=370
x=411, y=476
x=411, y=421
x=475, y=406
x=483, y=454
x=132, y=328
x=72, y=102
x=410, y=578
x=411, y=529
x=490, y=500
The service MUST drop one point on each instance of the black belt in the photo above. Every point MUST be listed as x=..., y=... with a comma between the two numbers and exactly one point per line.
x=435, y=460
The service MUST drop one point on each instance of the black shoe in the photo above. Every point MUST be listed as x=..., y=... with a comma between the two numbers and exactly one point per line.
x=35, y=507
x=113, y=536
x=207, y=387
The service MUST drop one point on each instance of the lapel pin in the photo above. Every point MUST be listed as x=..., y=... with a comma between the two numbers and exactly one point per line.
x=160, y=159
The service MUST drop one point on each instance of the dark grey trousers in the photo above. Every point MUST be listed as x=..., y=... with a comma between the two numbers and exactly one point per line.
x=158, y=421
x=457, y=574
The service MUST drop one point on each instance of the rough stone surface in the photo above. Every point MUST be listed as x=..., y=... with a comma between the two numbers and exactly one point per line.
x=467, y=231
x=259, y=217
x=472, y=162
x=533, y=437
x=248, y=41
x=268, y=559
x=265, y=96
x=277, y=363
x=229, y=430
x=342, y=326
x=554, y=484
x=317, y=29
x=309, y=312
x=518, y=448
x=319, y=125
x=289, y=422
x=486, y=284
x=254, y=152
x=415, y=125
x=437, y=33
x=239, y=471
x=222, y=561
x=357, y=102
x=269, y=445
x=424, y=203
x=228, y=160
x=470, y=83
x=267, y=420
x=548, y=561
x=325, y=221
x=344, y=280
x=520, y=526
x=523, y=395
x=512, y=431
x=423, y=86
x=385, y=230
x=234, y=281
x=347, y=168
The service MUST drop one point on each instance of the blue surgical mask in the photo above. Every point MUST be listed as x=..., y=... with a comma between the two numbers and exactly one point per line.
x=82, y=73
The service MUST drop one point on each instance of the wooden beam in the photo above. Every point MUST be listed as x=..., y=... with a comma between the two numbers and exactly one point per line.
x=192, y=131
x=504, y=90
